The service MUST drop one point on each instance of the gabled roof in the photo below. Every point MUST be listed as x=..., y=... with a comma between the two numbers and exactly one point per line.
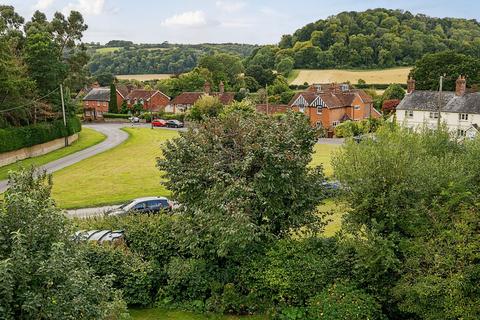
x=467, y=103
x=98, y=94
x=424, y=100
x=191, y=97
x=122, y=89
x=332, y=98
x=142, y=94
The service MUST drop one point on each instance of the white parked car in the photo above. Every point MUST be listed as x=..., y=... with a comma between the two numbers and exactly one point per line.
x=143, y=205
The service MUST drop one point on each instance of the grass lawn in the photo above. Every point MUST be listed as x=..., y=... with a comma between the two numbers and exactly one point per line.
x=393, y=75
x=87, y=138
x=162, y=314
x=323, y=155
x=128, y=171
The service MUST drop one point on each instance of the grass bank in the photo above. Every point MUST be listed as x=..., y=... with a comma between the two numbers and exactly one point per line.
x=128, y=171
x=87, y=138
x=163, y=314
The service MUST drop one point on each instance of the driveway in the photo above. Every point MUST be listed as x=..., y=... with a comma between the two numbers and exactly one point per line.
x=89, y=212
x=115, y=136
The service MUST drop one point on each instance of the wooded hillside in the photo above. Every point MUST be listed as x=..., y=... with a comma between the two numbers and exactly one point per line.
x=378, y=38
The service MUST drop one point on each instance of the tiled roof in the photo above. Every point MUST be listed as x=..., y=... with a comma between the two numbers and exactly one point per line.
x=138, y=94
x=98, y=94
x=122, y=89
x=191, y=97
x=272, y=108
x=332, y=98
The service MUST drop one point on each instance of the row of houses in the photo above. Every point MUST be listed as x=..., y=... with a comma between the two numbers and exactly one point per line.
x=459, y=110
x=96, y=100
x=326, y=105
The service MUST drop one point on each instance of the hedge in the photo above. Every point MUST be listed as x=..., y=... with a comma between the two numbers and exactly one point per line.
x=116, y=115
x=378, y=86
x=20, y=137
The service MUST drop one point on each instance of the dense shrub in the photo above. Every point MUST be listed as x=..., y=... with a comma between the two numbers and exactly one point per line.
x=116, y=116
x=354, y=128
x=134, y=276
x=42, y=273
x=344, y=301
x=15, y=138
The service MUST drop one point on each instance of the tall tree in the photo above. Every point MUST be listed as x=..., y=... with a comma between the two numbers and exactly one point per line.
x=112, y=103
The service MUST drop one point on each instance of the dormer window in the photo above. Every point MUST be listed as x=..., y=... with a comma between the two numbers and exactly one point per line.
x=344, y=87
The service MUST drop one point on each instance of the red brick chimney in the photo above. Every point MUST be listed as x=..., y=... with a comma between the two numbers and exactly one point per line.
x=207, y=87
x=221, y=87
x=461, y=86
x=410, y=85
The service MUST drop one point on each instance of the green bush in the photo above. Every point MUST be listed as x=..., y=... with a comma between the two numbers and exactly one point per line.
x=344, y=301
x=107, y=115
x=134, y=276
x=15, y=138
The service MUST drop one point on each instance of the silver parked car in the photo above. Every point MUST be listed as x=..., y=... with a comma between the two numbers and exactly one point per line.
x=143, y=205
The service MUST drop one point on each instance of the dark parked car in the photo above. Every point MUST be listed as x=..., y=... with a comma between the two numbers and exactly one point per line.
x=143, y=205
x=174, y=124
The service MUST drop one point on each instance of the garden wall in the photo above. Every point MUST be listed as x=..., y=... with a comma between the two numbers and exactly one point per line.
x=34, y=151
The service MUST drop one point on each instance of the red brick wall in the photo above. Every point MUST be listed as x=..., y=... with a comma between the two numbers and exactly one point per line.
x=158, y=102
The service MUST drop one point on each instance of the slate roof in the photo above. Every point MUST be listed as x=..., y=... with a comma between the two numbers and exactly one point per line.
x=98, y=94
x=191, y=97
x=428, y=101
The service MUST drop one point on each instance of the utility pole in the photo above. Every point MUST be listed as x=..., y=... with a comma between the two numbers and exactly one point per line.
x=64, y=117
x=440, y=103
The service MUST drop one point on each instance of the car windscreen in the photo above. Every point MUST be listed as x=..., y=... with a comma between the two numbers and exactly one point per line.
x=125, y=205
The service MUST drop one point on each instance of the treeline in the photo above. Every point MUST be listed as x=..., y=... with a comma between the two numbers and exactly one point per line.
x=36, y=57
x=132, y=58
x=377, y=38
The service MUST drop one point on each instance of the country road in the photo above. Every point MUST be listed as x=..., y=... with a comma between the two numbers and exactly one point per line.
x=115, y=136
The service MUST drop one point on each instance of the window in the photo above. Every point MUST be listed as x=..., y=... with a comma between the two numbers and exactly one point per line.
x=344, y=87
x=98, y=103
x=356, y=107
x=319, y=109
x=139, y=206
x=408, y=113
x=335, y=123
x=319, y=124
x=463, y=116
x=433, y=115
x=301, y=108
x=461, y=133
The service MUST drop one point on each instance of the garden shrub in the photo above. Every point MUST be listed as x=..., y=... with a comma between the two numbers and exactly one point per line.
x=132, y=275
x=344, y=301
x=116, y=115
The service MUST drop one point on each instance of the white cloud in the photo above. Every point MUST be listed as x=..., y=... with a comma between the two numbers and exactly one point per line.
x=230, y=6
x=186, y=19
x=88, y=7
x=43, y=4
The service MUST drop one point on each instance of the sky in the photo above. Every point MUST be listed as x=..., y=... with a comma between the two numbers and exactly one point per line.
x=218, y=21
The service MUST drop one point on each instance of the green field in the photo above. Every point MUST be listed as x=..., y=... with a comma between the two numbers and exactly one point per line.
x=162, y=314
x=107, y=50
x=380, y=76
x=128, y=171
x=87, y=138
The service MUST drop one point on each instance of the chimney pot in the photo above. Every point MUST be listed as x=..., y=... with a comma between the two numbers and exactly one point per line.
x=207, y=88
x=460, y=86
x=410, y=85
x=222, y=87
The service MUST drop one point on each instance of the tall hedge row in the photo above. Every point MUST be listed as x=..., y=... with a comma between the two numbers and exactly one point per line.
x=20, y=137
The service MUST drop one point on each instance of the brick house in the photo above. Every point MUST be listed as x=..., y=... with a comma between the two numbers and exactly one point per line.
x=327, y=105
x=151, y=100
x=186, y=100
x=95, y=102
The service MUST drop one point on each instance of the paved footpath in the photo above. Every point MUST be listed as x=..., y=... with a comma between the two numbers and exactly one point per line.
x=115, y=136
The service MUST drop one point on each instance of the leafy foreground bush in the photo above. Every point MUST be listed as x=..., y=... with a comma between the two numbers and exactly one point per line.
x=43, y=274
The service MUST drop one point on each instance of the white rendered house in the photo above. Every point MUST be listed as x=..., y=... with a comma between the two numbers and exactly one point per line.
x=459, y=110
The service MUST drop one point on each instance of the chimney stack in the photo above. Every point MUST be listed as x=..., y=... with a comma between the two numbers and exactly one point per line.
x=222, y=87
x=461, y=86
x=207, y=87
x=410, y=85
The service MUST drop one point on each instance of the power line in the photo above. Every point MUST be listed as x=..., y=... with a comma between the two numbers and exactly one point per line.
x=30, y=103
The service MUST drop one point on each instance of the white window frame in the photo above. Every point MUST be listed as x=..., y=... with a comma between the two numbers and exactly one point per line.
x=335, y=123
x=301, y=108
x=463, y=116
x=461, y=132
x=319, y=109
x=318, y=124
x=408, y=113
x=433, y=115
x=357, y=107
